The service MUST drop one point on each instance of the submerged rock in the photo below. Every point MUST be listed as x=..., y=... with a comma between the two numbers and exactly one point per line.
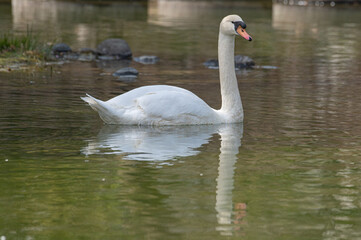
x=71, y=56
x=243, y=62
x=87, y=54
x=211, y=63
x=266, y=67
x=146, y=59
x=61, y=48
x=114, y=48
x=126, y=74
x=127, y=71
x=62, y=51
x=240, y=62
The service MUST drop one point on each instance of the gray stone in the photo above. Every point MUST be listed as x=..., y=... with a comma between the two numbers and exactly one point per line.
x=86, y=57
x=126, y=72
x=243, y=62
x=114, y=47
x=87, y=54
x=61, y=48
x=146, y=59
x=211, y=63
x=107, y=57
x=240, y=62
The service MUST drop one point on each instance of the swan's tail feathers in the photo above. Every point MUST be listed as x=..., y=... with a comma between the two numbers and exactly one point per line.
x=106, y=112
x=89, y=99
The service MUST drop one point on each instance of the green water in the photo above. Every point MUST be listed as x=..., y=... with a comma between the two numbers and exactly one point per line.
x=292, y=170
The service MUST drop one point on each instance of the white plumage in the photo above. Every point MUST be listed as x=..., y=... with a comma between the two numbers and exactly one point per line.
x=154, y=105
x=169, y=105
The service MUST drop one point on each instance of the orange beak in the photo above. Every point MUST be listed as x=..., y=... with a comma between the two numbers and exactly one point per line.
x=243, y=33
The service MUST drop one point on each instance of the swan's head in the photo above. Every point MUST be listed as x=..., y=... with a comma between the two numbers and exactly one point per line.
x=234, y=25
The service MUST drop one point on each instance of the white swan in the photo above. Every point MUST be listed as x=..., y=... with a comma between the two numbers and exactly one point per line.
x=169, y=105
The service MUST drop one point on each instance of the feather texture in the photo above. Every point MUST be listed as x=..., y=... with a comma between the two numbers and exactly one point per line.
x=170, y=105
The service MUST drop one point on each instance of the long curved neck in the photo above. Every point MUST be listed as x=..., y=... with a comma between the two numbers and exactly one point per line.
x=231, y=100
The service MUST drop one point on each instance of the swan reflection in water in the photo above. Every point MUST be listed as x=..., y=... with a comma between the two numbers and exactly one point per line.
x=150, y=143
x=146, y=143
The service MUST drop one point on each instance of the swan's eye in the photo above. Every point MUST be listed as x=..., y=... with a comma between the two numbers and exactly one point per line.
x=239, y=23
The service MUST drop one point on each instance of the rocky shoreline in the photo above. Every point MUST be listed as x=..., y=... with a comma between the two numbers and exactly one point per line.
x=115, y=55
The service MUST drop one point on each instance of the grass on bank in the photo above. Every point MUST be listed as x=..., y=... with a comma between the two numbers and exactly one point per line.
x=23, y=49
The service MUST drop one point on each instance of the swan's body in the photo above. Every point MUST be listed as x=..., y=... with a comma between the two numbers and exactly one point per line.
x=169, y=105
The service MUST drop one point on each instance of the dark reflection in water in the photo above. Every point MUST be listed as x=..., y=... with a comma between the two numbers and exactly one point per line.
x=63, y=175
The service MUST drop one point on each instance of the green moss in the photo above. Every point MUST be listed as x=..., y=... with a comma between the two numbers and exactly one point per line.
x=21, y=50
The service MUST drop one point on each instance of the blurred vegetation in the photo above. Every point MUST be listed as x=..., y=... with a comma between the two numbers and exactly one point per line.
x=22, y=49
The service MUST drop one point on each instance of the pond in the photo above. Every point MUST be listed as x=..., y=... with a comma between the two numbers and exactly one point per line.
x=292, y=170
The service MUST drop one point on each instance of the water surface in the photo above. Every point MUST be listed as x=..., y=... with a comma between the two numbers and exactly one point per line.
x=290, y=171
